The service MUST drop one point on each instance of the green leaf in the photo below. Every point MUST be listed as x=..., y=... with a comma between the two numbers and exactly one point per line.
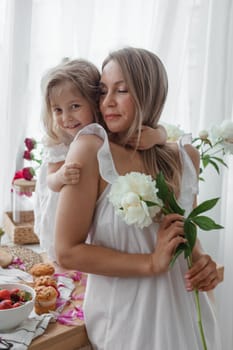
x=180, y=249
x=167, y=196
x=214, y=165
x=204, y=206
x=190, y=233
x=206, y=223
x=205, y=160
x=151, y=204
x=162, y=187
x=220, y=160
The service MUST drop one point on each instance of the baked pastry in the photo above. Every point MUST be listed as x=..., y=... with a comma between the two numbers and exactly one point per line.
x=46, y=280
x=45, y=301
x=42, y=269
x=5, y=258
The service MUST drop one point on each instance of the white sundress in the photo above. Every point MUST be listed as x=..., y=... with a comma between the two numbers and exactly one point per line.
x=144, y=313
x=45, y=203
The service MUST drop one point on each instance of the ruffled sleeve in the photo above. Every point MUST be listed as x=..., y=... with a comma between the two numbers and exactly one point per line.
x=56, y=153
x=106, y=165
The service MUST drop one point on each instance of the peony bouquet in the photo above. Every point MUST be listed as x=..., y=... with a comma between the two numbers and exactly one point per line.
x=138, y=199
x=213, y=145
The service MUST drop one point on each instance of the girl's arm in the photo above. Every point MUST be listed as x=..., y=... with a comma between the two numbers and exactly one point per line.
x=61, y=173
x=149, y=137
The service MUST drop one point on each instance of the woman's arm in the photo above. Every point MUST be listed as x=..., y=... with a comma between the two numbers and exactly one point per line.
x=74, y=216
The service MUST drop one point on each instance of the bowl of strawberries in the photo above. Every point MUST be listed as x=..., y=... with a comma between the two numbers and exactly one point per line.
x=16, y=303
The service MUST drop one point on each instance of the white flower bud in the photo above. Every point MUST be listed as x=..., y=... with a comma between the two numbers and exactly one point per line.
x=203, y=134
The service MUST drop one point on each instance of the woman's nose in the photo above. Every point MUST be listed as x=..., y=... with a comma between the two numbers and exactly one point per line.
x=108, y=100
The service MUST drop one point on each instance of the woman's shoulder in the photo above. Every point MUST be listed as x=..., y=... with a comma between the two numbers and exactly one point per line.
x=190, y=150
x=194, y=156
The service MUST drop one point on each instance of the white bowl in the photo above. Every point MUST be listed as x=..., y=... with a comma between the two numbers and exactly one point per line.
x=11, y=318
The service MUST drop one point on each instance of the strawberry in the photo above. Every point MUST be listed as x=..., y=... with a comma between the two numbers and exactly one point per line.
x=4, y=294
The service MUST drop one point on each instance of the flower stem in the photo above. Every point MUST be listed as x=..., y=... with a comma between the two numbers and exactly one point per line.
x=198, y=306
x=197, y=300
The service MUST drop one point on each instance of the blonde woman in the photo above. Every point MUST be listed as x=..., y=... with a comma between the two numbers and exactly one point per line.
x=133, y=300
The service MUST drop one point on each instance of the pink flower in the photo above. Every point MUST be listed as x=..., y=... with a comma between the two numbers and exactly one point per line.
x=18, y=175
x=28, y=173
x=30, y=143
x=28, y=155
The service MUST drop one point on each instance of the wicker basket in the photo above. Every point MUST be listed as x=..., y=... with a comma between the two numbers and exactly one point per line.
x=23, y=232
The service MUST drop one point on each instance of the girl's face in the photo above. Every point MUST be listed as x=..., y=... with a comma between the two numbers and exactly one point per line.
x=116, y=103
x=70, y=110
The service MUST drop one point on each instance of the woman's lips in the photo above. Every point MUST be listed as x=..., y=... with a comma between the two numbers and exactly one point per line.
x=111, y=116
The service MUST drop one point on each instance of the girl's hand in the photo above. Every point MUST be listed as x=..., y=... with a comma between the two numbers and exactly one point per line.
x=170, y=235
x=149, y=138
x=203, y=275
x=69, y=173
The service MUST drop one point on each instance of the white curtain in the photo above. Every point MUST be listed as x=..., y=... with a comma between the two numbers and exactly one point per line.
x=192, y=37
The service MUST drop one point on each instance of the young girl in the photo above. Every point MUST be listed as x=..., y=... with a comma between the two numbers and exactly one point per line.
x=70, y=94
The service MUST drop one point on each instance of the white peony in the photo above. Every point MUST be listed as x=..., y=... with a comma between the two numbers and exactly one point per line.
x=130, y=195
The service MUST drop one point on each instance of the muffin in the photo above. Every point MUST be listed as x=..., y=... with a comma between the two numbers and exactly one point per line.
x=42, y=269
x=46, y=280
x=46, y=297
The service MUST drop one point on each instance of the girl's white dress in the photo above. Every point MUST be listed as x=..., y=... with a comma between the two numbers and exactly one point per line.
x=144, y=313
x=46, y=200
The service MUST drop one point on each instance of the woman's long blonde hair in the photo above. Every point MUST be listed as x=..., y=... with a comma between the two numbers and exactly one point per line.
x=146, y=80
x=84, y=76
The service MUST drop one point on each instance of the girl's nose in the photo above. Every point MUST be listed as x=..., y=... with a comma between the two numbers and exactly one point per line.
x=67, y=116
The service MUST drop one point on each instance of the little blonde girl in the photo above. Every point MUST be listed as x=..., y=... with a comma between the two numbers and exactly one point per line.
x=70, y=102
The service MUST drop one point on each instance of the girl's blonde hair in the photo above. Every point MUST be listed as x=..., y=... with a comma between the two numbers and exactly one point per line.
x=85, y=77
x=146, y=80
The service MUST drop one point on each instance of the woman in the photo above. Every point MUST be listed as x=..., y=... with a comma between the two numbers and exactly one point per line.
x=133, y=300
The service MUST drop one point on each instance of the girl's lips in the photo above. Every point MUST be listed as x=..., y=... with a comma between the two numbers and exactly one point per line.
x=73, y=126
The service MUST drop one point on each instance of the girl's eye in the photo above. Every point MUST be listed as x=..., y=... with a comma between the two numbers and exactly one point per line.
x=57, y=110
x=123, y=91
x=75, y=106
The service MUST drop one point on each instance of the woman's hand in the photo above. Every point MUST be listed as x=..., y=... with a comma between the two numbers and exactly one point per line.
x=203, y=275
x=170, y=235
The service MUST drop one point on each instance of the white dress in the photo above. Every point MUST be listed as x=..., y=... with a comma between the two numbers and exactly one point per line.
x=46, y=200
x=145, y=313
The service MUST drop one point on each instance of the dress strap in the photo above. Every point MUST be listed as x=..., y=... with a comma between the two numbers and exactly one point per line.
x=188, y=167
x=106, y=165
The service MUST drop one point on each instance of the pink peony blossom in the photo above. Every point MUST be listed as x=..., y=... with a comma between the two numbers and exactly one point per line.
x=30, y=143
x=28, y=155
x=28, y=173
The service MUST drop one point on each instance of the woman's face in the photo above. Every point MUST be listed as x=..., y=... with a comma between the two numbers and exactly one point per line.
x=116, y=103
